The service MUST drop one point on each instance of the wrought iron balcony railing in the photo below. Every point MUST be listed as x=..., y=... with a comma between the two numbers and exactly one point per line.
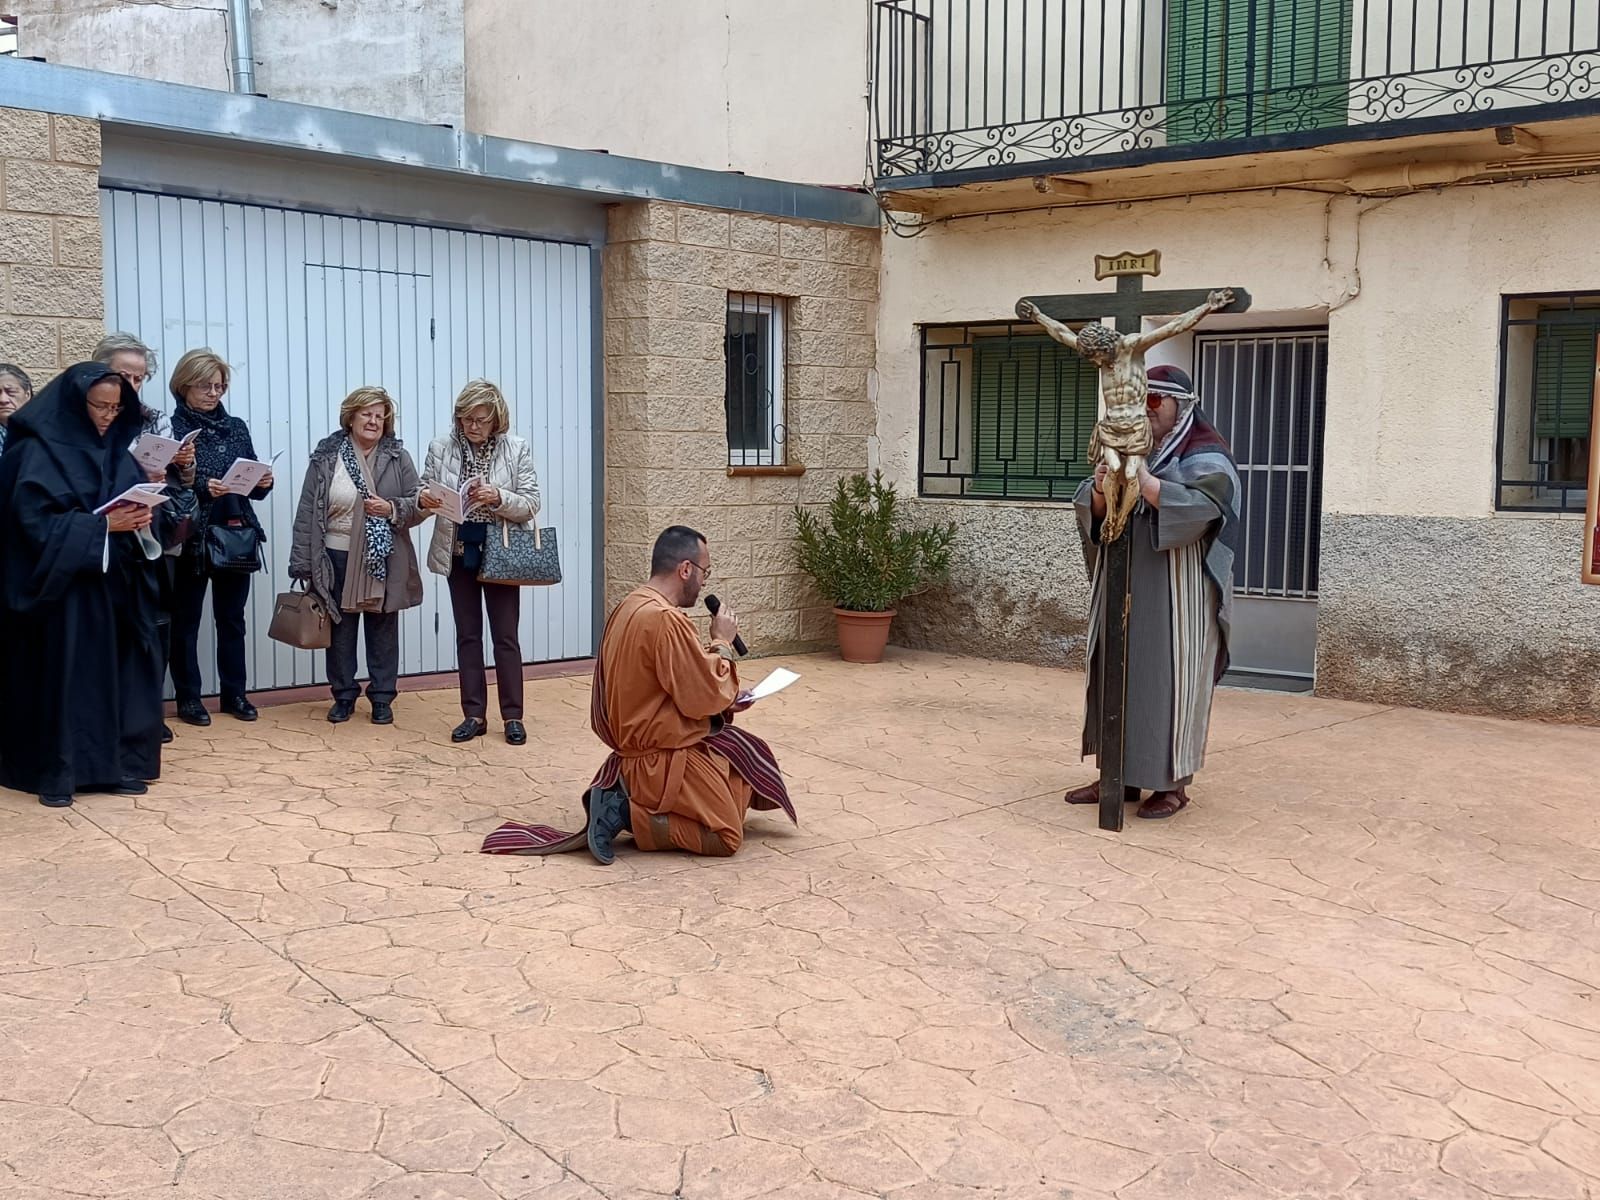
x=969, y=89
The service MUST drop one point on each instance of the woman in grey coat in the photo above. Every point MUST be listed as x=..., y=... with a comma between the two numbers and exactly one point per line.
x=352, y=547
x=481, y=448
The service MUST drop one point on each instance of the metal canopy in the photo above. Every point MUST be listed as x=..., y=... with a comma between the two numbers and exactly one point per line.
x=226, y=118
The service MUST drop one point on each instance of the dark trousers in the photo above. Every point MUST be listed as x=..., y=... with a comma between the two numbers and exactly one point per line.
x=166, y=569
x=383, y=647
x=230, y=593
x=468, y=599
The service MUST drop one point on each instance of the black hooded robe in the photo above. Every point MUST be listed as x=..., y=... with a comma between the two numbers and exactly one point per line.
x=80, y=682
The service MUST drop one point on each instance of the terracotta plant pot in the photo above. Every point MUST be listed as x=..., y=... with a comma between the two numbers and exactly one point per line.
x=862, y=635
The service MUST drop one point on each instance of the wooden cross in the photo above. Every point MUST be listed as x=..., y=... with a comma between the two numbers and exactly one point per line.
x=1127, y=306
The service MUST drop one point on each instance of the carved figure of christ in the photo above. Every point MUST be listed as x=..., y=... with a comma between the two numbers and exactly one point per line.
x=1122, y=437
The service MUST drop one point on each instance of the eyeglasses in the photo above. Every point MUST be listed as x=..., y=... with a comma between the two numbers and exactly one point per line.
x=211, y=389
x=478, y=422
x=105, y=410
x=705, y=572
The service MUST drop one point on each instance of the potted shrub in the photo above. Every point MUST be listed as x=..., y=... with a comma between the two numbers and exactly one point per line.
x=866, y=560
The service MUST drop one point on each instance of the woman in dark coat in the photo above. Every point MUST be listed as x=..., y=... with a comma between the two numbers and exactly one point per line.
x=80, y=682
x=198, y=384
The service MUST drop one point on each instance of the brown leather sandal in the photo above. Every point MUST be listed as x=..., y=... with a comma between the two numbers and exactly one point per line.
x=1162, y=805
x=1089, y=793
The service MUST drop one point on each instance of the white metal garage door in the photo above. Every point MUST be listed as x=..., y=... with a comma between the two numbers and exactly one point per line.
x=306, y=307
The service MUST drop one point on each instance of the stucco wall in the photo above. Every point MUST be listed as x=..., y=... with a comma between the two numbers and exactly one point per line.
x=1410, y=289
x=767, y=87
x=1471, y=615
x=152, y=39
x=392, y=58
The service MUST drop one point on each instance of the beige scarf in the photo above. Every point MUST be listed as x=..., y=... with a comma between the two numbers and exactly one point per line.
x=362, y=593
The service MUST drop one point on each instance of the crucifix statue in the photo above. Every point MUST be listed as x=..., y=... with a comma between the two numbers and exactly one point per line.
x=1121, y=439
x=1120, y=442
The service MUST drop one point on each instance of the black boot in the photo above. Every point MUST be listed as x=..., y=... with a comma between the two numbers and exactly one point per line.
x=192, y=712
x=240, y=707
x=608, y=816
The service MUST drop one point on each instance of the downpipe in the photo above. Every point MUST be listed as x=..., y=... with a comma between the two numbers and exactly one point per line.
x=241, y=50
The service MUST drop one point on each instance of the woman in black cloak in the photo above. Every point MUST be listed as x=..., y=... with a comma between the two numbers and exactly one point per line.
x=80, y=682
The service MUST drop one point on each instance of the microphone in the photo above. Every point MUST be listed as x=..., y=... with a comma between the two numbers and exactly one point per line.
x=714, y=606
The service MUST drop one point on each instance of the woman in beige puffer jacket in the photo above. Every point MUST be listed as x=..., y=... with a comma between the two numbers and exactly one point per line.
x=481, y=446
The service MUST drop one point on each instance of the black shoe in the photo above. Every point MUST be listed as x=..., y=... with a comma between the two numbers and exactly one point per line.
x=192, y=712
x=382, y=713
x=56, y=801
x=166, y=734
x=516, y=733
x=608, y=816
x=340, y=712
x=472, y=727
x=240, y=706
x=130, y=787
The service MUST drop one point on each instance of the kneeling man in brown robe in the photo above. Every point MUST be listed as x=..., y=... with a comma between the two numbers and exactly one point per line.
x=680, y=775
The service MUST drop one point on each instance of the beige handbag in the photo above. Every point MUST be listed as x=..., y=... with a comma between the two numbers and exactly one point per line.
x=300, y=619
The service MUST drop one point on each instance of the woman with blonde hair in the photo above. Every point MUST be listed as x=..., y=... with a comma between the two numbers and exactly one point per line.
x=351, y=546
x=481, y=447
x=199, y=382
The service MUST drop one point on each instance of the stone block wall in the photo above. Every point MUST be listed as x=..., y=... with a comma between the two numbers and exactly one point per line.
x=668, y=271
x=52, y=306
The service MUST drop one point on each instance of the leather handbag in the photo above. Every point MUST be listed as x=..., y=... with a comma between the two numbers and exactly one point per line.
x=232, y=549
x=301, y=620
x=521, y=557
x=231, y=543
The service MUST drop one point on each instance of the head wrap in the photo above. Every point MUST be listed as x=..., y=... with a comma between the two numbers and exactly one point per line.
x=1171, y=381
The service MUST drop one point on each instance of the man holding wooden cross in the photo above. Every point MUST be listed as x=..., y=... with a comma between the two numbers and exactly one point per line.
x=1180, y=525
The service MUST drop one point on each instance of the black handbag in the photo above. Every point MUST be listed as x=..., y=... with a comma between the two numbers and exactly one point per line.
x=231, y=543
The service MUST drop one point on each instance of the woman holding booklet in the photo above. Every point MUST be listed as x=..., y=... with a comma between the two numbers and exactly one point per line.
x=475, y=478
x=80, y=682
x=198, y=383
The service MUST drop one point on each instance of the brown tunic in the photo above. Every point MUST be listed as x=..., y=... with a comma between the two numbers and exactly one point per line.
x=663, y=689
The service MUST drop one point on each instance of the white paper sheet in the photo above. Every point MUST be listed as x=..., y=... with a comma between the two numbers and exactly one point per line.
x=773, y=683
x=147, y=494
x=155, y=453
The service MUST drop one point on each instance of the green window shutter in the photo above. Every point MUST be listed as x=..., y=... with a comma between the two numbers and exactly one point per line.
x=1034, y=405
x=1306, y=81
x=1208, y=49
x=1240, y=68
x=1564, y=378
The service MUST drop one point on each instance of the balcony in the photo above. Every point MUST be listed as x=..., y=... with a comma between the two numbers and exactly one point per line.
x=968, y=91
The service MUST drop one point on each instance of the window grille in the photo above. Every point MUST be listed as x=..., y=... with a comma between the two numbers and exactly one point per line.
x=755, y=397
x=1547, y=393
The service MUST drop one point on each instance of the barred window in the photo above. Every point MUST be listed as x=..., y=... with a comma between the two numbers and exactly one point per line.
x=755, y=396
x=1547, y=394
x=1006, y=413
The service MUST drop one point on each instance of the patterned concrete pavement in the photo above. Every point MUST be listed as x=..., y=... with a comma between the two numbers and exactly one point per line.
x=1364, y=964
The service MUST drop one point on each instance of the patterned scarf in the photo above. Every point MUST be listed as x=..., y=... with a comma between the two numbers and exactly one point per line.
x=475, y=464
x=380, y=534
